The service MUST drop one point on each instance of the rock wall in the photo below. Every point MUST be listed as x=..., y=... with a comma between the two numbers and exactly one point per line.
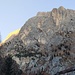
x=45, y=43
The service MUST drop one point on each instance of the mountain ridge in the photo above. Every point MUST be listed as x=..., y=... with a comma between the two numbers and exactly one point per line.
x=11, y=35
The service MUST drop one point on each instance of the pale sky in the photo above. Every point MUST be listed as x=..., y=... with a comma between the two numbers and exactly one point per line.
x=14, y=13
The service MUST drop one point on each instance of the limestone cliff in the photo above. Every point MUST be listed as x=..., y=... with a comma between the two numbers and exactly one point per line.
x=46, y=43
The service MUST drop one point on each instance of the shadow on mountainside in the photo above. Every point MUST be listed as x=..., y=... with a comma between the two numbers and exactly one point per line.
x=9, y=67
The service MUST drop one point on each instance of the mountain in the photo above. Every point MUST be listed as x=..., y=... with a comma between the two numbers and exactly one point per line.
x=45, y=45
x=11, y=36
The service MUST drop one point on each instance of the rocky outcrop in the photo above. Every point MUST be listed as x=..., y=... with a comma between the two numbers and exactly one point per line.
x=45, y=44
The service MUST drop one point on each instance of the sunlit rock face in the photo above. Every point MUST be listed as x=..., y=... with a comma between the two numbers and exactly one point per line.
x=11, y=36
x=45, y=43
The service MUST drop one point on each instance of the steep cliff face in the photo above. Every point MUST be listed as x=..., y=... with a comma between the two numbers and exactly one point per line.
x=46, y=43
x=46, y=24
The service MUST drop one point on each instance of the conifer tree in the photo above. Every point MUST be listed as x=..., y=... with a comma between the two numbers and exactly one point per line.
x=8, y=63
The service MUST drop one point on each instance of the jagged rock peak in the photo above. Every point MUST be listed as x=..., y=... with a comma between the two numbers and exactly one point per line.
x=61, y=8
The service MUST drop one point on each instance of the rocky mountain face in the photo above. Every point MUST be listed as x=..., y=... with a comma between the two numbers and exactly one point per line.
x=45, y=44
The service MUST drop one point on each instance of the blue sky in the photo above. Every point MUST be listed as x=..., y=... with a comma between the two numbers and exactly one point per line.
x=14, y=13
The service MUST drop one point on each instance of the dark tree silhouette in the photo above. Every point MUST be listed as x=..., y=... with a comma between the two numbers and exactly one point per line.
x=9, y=66
x=8, y=63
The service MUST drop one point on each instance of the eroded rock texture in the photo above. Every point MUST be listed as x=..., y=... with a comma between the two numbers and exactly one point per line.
x=46, y=44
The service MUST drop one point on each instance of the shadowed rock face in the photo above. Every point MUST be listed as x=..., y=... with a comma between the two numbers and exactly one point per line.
x=46, y=43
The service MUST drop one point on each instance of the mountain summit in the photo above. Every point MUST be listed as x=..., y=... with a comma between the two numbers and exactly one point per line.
x=45, y=44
